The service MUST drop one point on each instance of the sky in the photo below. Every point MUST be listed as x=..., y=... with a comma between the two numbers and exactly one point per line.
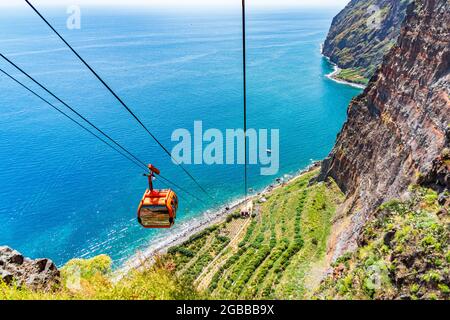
x=184, y=3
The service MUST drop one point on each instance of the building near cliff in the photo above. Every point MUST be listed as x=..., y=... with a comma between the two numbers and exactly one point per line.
x=397, y=132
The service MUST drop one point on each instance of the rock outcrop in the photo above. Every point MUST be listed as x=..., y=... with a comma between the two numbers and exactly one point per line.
x=397, y=132
x=39, y=274
x=363, y=32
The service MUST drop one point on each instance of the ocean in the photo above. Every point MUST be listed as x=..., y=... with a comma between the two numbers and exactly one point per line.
x=64, y=195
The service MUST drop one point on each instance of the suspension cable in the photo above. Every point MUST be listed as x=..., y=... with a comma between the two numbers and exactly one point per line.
x=135, y=161
x=179, y=187
x=70, y=118
x=120, y=100
x=71, y=109
x=244, y=66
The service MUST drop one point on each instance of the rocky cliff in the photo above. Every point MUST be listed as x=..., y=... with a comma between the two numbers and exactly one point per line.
x=362, y=34
x=15, y=269
x=397, y=132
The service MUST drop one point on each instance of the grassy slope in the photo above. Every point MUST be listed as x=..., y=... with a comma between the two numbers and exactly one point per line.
x=279, y=254
x=94, y=282
x=279, y=245
x=403, y=254
x=267, y=256
x=358, y=48
x=353, y=75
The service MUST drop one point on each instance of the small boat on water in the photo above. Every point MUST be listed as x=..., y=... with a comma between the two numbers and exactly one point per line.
x=269, y=151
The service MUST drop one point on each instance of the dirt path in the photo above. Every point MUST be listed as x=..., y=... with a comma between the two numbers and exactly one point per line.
x=210, y=270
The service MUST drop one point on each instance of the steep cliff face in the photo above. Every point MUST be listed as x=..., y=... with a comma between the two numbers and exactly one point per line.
x=397, y=131
x=362, y=34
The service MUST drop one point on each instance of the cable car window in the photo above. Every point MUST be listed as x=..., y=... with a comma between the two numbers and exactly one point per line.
x=162, y=209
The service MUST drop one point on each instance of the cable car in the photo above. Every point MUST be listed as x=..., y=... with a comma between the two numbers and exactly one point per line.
x=158, y=208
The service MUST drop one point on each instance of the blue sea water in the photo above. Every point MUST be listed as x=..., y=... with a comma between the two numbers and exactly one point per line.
x=65, y=195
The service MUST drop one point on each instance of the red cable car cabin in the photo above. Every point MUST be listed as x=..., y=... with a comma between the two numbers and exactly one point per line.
x=158, y=208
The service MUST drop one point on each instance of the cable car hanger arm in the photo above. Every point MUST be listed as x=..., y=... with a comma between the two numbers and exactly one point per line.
x=119, y=99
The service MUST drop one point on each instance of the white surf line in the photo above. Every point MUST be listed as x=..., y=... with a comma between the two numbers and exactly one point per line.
x=160, y=246
x=332, y=76
x=179, y=236
x=336, y=70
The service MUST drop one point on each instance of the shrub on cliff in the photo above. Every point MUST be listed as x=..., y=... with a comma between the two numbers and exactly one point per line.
x=93, y=279
x=403, y=254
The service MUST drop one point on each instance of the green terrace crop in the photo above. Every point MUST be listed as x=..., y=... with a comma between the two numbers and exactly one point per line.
x=267, y=256
x=403, y=253
x=288, y=234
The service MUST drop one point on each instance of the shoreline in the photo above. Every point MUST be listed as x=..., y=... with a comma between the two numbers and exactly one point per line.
x=161, y=246
x=332, y=76
x=336, y=70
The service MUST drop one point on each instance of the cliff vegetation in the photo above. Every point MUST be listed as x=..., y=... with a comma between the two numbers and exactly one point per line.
x=361, y=34
x=403, y=253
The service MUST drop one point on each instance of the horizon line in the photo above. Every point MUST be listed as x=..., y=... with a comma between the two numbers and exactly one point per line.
x=132, y=5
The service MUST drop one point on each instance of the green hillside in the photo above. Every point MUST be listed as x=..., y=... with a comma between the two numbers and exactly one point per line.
x=265, y=256
x=280, y=252
x=268, y=256
x=403, y=254
x=361, y=34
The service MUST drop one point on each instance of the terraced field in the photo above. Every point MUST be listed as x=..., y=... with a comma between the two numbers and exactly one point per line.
x=268, y=256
